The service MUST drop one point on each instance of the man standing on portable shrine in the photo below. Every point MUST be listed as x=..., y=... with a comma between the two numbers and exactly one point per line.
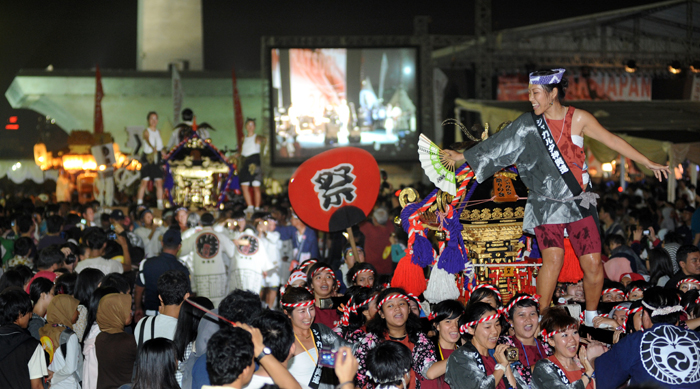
x=250, y=173
x=151, y=162
x=184, y=129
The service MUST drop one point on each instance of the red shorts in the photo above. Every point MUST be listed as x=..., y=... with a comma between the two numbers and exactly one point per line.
x=584, y=236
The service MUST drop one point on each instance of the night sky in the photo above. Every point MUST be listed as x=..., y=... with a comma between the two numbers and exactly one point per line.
x=80, y=34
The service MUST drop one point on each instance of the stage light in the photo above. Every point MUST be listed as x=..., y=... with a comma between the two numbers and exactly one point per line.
x=16, y=166
x=631, y=66
x=607, y=167
x=695, y=67
x=674, y=67
x=407, y=70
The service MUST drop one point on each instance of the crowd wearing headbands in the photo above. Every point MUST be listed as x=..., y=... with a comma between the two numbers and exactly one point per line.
x=252, y=300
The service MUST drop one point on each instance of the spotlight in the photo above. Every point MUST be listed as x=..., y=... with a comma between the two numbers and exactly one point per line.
x=607, y=167
x=695, y=67
x=631, y=66
x=674, y=67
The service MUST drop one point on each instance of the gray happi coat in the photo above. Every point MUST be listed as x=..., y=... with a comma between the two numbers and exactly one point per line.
x=520, y=143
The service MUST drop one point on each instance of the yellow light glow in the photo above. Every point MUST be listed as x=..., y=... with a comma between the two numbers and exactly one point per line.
x=103, y=167
x=79, y=162
x=41, y=159
x=607, y=167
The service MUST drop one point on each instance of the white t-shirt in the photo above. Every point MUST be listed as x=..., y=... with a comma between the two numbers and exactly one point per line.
x=37, y=364
x=154, y=139
x=164, y=327
x=66, y=368
x=302, y=367
x=107, y=266
x=250, y=146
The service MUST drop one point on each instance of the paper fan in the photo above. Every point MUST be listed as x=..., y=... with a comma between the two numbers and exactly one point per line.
x=438, y=169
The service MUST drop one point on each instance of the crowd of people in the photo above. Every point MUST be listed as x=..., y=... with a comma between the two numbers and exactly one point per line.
x=95, y=298
x=248, y=296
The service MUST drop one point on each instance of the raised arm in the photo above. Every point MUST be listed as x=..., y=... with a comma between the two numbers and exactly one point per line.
x=591, y=127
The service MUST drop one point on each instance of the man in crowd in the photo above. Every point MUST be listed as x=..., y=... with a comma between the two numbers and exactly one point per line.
x=54, y=224
x=146, y=290
x=96, y=241
x=379, y=229
x=688, y=258
x=278, y=335
x=211, y=259
x=607, y=214
x=173, y=289
x=303, y=239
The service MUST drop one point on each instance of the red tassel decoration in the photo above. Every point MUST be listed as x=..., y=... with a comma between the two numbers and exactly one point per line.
x=409, y=277
x=571, y=271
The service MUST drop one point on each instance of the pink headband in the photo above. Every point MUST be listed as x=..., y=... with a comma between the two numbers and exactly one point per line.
x=352, y=308
x=490, y=287
x=299, y=305
x=612, y=290
x=535, y=298
x=464, y=326
x=361, y=271
x=389, y=297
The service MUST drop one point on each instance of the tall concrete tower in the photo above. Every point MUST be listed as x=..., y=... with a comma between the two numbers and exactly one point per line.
x=169, y=31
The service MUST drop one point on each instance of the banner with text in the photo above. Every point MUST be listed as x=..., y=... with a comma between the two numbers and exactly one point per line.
x=597, y=86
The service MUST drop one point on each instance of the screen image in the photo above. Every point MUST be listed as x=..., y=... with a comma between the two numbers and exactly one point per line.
x=335, y=97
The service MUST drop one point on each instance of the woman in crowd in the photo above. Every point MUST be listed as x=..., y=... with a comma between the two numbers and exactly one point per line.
x=90, y=363
x=616, y=319
x=635, y=290
x=362, y=274
x=115, y=349
x=65, y=284
x=445, y=322
x=323, y=284
x=660, y=266
x=634, y=318
x=547, y=147
x=571, y=292
x=480, y=363
x=311, y=337
x=156, y=366
x=486, y=293
x=612, y=293
x=67, y=360
x=360, y=308
x=564, y=369
x=85, y=286
x=186, y=331
x=41, y=293
x=523, y=315
x=394, y=321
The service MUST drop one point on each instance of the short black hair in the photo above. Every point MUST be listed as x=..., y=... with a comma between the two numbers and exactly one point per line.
x=118, y=281
x=524, y=303
x=13, y=304
x=482, y=293
x=276, y=329
x=473, y=312
x=615, y=238
x=447, y=309
x=65, y=283
x=207, y=219
x=294, y=295
x=683, y=251
x=95, y=238
x=39, y=285
x=187, y=114
x=54, y=224
x=229, y=352
x=23, y=246
x=173, y=285
x=658, y=297
x=24, y=223
x=148, y=116
x=49, y=256
x=240, y=306
x=361, y=266
x=389, y=363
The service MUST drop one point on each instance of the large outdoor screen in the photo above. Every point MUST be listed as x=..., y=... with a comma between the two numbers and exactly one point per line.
x=334, y=97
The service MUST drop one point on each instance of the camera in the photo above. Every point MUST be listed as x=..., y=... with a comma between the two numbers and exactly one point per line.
x=646, y=232
x=512, y=354
x=327, y=357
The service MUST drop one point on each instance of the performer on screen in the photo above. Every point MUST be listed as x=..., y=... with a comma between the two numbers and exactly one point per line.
x=547, y=146
x=152, y=160
x=250, y=173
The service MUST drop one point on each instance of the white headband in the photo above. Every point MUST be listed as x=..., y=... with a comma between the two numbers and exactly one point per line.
x=662, y=311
